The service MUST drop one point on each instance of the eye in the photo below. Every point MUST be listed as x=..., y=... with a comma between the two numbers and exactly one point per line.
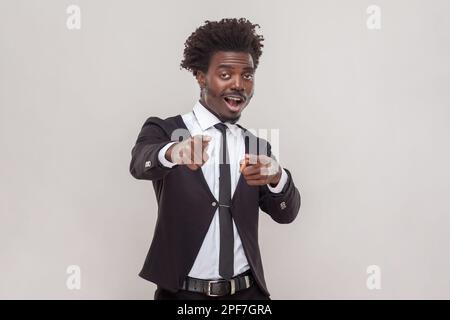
x=224, y=76
x=248, y=76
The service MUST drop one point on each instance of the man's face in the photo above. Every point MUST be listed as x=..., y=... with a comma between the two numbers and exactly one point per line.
x=228, y=84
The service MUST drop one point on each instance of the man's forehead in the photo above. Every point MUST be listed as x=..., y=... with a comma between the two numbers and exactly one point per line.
x=230, y=59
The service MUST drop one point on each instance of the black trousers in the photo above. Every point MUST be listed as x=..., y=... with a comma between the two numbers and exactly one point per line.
x=252, y=293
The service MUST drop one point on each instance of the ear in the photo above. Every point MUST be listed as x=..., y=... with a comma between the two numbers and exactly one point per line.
x=201, y=79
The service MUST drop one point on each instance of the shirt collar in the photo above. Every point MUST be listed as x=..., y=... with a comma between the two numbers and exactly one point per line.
x=206, y=119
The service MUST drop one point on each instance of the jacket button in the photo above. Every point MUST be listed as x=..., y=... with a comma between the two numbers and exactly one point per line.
x=148, y=164
x=214, y=203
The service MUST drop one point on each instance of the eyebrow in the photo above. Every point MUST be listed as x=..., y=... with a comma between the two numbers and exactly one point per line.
x=229, y=66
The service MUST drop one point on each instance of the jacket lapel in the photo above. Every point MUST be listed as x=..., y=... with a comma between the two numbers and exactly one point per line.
x=198, y=173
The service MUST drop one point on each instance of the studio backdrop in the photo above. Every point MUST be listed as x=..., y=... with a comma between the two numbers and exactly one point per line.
x=357, y=92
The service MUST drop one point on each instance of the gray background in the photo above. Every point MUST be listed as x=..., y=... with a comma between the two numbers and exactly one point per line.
x=364, y=126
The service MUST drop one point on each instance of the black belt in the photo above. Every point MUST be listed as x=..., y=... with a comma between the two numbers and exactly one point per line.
x=221, y=287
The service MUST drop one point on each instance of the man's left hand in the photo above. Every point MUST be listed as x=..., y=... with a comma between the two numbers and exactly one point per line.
x=259, y=170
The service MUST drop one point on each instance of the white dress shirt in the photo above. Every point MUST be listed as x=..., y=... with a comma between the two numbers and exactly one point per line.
x=202, y=121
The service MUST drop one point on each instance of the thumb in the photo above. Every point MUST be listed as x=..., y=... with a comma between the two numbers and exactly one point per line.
x=242, y=164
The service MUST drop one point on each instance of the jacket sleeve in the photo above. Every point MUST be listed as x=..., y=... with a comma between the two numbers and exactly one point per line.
x=283, y=207
x=144, y=156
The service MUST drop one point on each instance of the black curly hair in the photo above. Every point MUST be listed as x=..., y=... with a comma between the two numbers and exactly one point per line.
x=237, y=35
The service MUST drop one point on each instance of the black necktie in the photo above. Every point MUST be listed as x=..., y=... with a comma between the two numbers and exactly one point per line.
x=226, y=257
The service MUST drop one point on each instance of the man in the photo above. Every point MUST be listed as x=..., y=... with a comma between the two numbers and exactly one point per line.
x=211, y=176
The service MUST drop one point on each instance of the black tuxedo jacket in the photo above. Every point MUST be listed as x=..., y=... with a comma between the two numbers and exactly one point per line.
x=186, y=206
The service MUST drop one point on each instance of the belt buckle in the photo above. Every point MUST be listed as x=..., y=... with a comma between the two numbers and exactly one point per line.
x=233, y=286
x=208, y=293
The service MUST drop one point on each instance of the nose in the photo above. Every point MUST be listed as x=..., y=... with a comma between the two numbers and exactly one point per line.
x=238, y=84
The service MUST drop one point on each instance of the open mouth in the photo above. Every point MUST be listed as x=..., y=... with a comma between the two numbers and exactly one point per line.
x=234, y=103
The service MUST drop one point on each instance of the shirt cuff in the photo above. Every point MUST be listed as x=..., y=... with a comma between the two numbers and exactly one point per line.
x=281, y=183
x=162, y=156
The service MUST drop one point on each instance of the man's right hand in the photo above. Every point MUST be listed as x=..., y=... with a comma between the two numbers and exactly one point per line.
x=190, y=152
